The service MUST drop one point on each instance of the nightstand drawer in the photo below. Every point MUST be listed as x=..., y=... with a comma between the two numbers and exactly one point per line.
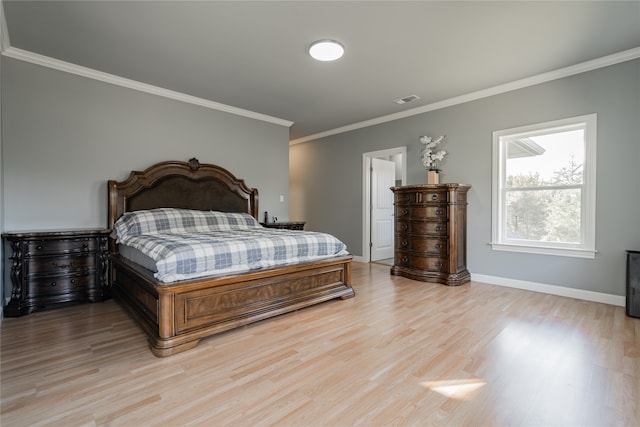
x=47, y=247
x=59, y=265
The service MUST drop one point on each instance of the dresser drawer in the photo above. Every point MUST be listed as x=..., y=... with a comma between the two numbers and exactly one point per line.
x=406, y=259
x=420, y=197
x=59, y=265
x=422, y=244
x=423, y=227
x=438, y=212
x=404, y=198
x=48, y=247
x=47, y=286
x=431, y=197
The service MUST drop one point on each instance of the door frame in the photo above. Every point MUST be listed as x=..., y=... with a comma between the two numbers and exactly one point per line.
x=366, y=191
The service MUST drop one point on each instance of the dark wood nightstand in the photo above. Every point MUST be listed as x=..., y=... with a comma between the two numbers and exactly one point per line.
x=47, y=268
x=285, y=225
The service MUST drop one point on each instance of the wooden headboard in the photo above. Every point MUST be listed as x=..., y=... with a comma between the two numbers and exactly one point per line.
x=187, y=185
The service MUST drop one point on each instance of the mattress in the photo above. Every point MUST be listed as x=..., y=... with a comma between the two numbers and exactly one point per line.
x=180, y=244
x=175, y=257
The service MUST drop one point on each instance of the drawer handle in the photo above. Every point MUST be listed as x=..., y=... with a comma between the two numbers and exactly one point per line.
x=405, y=212
x=438, y=227
x=438, y=211
x=405, y=259
x=407, y=198
x=73, y=281
x=438, y=264
x=39, y=248
x=438, y=246
x=434, y=197
x=404, y=243
x=63, y=266
x=53, y=283
x=404, y=227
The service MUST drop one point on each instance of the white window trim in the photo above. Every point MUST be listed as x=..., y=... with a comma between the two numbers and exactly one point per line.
x=587, y=249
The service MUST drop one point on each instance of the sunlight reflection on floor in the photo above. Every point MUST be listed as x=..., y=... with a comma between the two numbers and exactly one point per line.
x=455, y=389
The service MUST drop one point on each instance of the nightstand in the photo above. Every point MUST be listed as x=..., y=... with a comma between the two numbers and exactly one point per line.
x=285, y=225
x=47, y=268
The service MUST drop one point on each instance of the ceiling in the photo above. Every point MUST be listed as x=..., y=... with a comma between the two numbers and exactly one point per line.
x=252, y=54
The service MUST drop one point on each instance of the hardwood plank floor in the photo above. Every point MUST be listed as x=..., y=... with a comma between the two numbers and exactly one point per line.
x=400, y=353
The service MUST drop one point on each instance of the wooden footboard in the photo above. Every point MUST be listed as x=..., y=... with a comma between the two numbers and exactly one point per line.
x=176, y=316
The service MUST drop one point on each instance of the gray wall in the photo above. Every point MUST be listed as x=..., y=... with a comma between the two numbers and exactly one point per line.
x=64, y=136
x=326, y=175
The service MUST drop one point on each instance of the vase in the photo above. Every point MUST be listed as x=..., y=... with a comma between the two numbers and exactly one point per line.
x=433, y=177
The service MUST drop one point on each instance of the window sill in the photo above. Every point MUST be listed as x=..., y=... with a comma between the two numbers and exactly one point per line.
x=545, y=250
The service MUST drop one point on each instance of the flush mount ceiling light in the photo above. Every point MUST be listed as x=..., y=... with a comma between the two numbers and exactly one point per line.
x=326, y=50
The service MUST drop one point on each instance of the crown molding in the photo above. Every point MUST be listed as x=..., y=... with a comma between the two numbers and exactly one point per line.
x=90, y=73
x=604, y=61
x=67, y=67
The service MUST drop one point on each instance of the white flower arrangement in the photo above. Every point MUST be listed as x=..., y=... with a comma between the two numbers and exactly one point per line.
x=430, y=158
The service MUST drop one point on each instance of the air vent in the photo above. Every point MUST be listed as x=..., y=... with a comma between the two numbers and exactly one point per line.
x=406, y=99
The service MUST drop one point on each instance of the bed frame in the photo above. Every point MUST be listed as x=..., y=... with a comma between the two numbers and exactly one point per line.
x=177, y=316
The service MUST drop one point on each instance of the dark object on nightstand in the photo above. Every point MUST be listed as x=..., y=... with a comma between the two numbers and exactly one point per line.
x=431, y=233
x=285, y=225
x=633, y=283
x=53, y=267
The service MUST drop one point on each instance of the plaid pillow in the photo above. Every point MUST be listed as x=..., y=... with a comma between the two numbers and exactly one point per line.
x=172, y=220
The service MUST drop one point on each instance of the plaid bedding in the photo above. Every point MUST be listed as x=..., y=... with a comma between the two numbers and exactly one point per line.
x=172, y=220
x=181, y=253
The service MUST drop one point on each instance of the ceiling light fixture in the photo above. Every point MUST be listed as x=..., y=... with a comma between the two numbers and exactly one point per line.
x=326, y=50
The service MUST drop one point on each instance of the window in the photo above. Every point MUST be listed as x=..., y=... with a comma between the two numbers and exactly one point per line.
x=544, y=188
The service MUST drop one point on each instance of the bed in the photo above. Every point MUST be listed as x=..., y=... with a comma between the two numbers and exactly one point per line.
x=175, y=316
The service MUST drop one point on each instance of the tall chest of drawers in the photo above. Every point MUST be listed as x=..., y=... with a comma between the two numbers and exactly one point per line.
x=52, y=267
x=431, y=233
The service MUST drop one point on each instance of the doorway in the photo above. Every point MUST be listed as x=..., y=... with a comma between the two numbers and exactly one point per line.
x=381, y=170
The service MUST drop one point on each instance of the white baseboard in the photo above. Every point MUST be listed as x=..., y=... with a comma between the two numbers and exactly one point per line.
x=618, y=300
x=551, y=289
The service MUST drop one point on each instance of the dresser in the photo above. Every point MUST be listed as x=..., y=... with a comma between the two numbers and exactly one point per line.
x=431, y=233
x=53, y=267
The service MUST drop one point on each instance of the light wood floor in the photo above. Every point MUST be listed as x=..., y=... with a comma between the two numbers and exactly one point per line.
x=400, y=353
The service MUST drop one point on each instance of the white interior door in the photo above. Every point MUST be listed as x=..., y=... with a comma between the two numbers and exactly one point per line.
x=383, y=177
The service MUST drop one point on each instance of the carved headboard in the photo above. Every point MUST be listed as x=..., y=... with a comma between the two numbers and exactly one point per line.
x=187, y=185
